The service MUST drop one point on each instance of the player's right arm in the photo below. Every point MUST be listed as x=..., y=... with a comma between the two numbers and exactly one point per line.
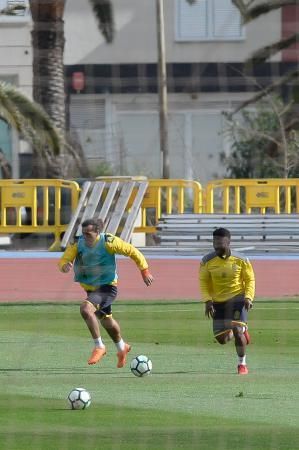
x=205, y=282
x=66, y=261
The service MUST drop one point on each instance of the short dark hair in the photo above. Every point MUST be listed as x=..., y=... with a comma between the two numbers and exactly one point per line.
x=222, y=232
x=97, y=224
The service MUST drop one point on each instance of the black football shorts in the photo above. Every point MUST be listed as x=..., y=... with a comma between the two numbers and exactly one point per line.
x=102, y=299
x=229, y=313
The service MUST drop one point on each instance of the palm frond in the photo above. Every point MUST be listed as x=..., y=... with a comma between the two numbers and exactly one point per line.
x=28, y=118
x=10, y=113
x=266, y=52
x=250, y=14
x=103, y=11
x=241, y=6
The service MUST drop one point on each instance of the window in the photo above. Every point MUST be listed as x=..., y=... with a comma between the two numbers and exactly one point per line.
x=14, y=11
x=208, y=20
x=87, y=112
x=11, y=79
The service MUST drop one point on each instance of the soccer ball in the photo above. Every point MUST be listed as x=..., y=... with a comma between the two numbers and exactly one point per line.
x=141, y=366
x=79, y=398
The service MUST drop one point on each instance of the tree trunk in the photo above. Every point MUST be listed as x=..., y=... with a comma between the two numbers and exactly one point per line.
x=48, y=74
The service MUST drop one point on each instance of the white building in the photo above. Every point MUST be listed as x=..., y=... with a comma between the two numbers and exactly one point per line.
x=15, y=68
x=115, y=113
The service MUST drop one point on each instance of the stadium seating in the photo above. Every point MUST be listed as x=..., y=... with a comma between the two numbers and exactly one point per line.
x=251, y=232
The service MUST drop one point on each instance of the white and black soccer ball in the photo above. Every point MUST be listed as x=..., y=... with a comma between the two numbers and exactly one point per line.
x=141, y=366
x=79, y=398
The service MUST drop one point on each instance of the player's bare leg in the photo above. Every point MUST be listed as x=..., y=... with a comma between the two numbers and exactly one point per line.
x=224, y=337
x=240, y=343
x=247, y=335
x=87, y=311
x=113, y=329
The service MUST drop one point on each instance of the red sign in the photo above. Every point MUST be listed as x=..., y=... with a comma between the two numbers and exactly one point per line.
x=78, y=81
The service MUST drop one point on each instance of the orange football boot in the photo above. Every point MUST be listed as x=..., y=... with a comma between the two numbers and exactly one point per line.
x=122, y=356
x=97, y=355
x=242, y=369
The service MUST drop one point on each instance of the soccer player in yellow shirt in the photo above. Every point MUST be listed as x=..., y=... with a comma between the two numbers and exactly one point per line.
x=93, y=261
x=227, y=285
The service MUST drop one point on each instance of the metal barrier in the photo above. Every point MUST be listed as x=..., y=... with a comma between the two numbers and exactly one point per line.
x=47, y=206
x=37, y=206
x=116, y=203
x=162, y=196
x=247, y=196
x=168, y=196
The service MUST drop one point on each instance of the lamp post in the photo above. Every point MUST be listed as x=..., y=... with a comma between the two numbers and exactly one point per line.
x=162, y=84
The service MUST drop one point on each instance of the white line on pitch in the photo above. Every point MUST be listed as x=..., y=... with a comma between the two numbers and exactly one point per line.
x=190, y=310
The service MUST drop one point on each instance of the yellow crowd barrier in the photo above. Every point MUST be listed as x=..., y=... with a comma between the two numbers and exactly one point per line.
x=168, y=196
x=247, y=196
x=46, y=206
x=37, y=206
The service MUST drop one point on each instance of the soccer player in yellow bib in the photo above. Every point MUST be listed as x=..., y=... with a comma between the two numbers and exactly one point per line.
x=93, y=261
x=227, y=285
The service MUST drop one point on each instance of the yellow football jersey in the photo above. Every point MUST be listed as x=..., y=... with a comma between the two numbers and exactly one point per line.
x=223, y=278
x=113, y=245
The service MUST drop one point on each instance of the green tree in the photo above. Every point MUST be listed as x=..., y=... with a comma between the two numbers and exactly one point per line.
x=279, y=148
x=262, y=146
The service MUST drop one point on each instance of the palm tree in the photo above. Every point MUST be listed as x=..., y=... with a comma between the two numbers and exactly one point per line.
x=48, y=75
x=48, y=52
x=48, y=69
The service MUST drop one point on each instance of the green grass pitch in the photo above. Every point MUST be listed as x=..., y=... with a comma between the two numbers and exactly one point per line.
x=192, y=400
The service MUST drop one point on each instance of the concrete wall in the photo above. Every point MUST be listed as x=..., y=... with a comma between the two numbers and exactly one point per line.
x=16, y=68
x=129, y=141
x=135, y=37
x=16, y=52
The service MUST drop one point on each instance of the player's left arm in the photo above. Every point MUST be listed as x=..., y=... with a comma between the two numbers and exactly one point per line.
x=249, y=284
x=115, y=245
